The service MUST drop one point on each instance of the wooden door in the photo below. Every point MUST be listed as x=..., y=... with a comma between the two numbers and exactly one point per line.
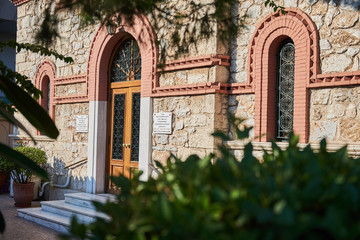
x=124, y=130
x=124, y=110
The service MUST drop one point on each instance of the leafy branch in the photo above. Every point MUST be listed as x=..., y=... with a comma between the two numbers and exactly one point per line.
x=179, y=25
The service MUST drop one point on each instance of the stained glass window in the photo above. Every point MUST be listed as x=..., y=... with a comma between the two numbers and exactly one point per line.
x=126, y=64
x=118, y=128
x=285, y=89
x=135, y=128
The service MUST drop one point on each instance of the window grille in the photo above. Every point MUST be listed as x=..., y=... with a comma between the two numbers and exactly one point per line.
x=285, y=90
x=126, y=64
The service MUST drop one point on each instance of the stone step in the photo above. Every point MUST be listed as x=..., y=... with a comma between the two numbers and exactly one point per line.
x=86, y=199
x=54, y=221
x=63, y=208
x=57, y=214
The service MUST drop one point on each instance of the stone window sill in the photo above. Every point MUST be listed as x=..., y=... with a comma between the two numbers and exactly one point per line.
x=353, y=149
x=40, y=138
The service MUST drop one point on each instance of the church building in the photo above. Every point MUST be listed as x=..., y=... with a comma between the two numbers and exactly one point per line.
x=117, y=110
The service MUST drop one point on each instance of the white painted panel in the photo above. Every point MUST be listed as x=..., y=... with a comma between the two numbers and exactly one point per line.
x=96, y=146
x=145, y=137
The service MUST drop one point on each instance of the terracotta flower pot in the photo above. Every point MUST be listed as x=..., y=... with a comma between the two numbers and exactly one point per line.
x=23, y=194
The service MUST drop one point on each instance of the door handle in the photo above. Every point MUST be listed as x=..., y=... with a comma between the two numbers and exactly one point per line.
x=127, y=145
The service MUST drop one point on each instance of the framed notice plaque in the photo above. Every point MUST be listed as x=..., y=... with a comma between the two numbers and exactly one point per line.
x=82, y=123
x=162, y=123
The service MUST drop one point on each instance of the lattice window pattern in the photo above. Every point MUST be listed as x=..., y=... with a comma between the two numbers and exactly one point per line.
x=285, y=92
x=118, y=127
x=126, y=64
x=135, y=128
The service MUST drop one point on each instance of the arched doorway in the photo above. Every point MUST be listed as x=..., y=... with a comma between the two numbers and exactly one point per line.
x=124, y=109
x=100, y=58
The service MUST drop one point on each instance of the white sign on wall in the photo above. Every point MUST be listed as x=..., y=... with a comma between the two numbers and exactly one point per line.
x=82, y=123
x=162, y=123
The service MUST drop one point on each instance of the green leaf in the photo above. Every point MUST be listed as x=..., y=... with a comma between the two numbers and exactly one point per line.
x=221, y=135
x=204, y=162
x=164, y=206
x=122, y=182
x=14, y=121
x=192, y=158
x=77, y=228
x=31, y=110
x=158, y=164
x=293, y=139
x=323, y=145
x=23, y=161
x=243, y=134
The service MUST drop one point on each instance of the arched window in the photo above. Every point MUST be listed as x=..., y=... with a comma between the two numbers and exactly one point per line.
x=44, y=81
x=48, y=97
x=281, y=93
x=285, y=89
x=126, y=64
x=45, y=88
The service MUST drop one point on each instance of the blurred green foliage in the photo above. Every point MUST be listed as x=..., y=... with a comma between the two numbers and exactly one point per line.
x=290, y=194
x=19, y=173
x=22, y=96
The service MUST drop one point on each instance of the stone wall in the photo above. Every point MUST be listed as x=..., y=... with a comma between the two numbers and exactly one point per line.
x=333, y=112
x=334, y=115
x=69, y=147
x=243, y=107
x=192, y=76
x=74, y=41
x=70, y=89
x=195, y=118
x=202, y=46
x=338, y=26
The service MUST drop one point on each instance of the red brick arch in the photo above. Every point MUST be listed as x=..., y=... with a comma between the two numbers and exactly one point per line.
x=102, y=47
x=264, y=44
x=46, y=73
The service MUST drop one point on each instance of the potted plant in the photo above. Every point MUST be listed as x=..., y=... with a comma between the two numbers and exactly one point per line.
x=23, y=187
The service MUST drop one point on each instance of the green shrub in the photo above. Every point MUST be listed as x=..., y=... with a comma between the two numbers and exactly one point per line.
x=290, y=194
x=19, y=174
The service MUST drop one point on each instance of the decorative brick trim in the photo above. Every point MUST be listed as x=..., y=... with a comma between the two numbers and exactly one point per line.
x=196, y=62
x=102, y=47
x=19, y=2
x=269, y=33
x=47, y=69
x=240, y=88
x=335, y=79
x=71, y=99
x=295, y=20
x=202, y=88
x=70, y=80
x=46, y=72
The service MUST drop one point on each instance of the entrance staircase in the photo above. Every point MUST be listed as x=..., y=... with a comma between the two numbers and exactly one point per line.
x=57, y=214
